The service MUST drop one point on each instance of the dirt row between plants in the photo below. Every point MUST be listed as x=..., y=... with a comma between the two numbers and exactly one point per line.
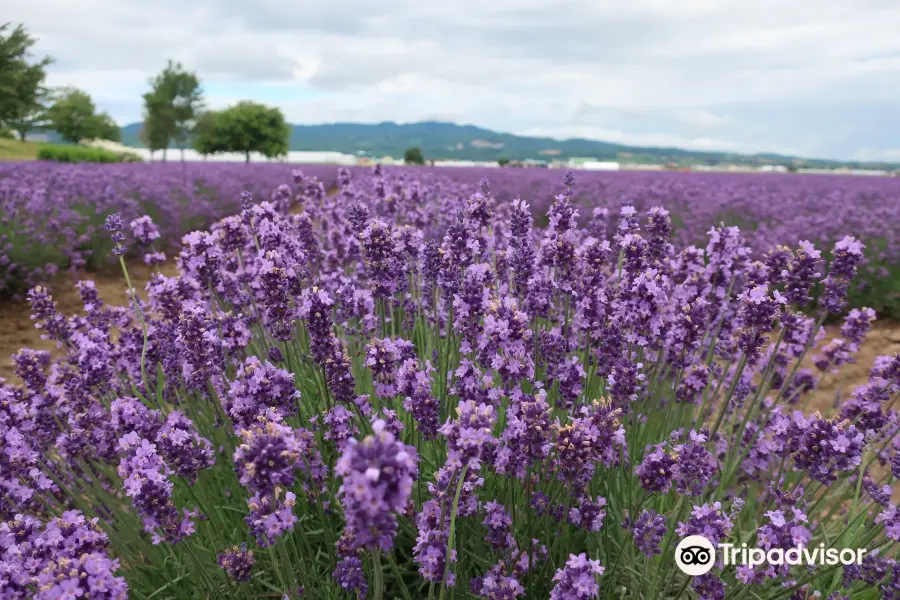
x=17, y=331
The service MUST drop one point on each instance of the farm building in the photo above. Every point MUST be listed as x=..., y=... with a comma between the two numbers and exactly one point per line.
x=592, y=164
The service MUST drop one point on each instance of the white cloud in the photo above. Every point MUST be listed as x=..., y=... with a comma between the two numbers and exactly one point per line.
x=639, y=69
x=634, y=139
x=878, y=155
x=701, y=119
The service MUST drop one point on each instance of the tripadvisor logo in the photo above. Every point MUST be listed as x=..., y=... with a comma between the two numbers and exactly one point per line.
x=696, y=555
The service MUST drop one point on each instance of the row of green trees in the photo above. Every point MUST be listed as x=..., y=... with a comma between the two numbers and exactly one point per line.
x=174, y=109
x=175, y=112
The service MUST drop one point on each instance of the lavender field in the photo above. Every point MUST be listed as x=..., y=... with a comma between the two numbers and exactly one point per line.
x=418, y=384
x=51, y=215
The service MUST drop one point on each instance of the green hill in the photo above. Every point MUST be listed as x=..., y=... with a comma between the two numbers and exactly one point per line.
x=440, y=140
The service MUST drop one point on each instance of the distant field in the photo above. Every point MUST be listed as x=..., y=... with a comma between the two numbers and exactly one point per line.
x=16, y=150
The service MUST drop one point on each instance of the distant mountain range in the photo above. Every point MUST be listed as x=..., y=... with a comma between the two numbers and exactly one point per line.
x=440, y=140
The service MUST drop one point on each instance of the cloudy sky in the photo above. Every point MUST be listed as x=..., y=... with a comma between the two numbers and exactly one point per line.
x=809, y=77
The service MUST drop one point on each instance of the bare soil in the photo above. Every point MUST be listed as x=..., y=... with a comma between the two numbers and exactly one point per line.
x=17, y=329
x=884, y=339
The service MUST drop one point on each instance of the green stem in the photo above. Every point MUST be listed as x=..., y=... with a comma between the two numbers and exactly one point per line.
x=140, y=315
x=459, y=486
x=399, y=578
x=379, y=574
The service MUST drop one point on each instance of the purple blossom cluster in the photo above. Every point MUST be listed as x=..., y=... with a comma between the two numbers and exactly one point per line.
x=578, y=579
x=146, y=479
x=378, y=475
x=66, y=557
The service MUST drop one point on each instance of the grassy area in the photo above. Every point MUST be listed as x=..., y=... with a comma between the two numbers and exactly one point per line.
x=16, y=150
x=79, y=154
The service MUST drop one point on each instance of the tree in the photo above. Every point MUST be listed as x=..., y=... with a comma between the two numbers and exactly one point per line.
x=153, y=136
x=33, y=120
x=206, y=139
x=250, y=127
x=72, y=115
x=106, y=128
x=173, y=104
x=502, y=161
x=22, y=89
x=413, y=156
x=159, y=123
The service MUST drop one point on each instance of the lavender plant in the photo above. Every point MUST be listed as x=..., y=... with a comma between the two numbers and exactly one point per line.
x=406, y=390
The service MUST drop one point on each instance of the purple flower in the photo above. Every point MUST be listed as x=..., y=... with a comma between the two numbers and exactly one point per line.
x=270, y=516
x=692, y=384
x=708, y=587
x=823, y=447
x=377, y=474
x=349, y=575
x=595, y=437
x=85, y=576
x=578, y=579
x=659, y=228
x=183, y=448
x=201, y=348
x=857, y=324
x=686, y=333
x=268, y=457
x=504, y=347
x=46, y=317
x=784, y=530
x=430, y=551
x=648, y=532
x=470, y=438
x=576, y=451
x=608, y=432
x=237, y=562
x=154, y=258
x=526, y=440
x=340, y=427
x=384, y=265
x=144, y=230
x=257, y=387
x=523, y=256
x=846, y=256
x=696, y=465
x=658, y=469
x=114, y=226
x=758, y=314
x=707, y=520
x=200, y=257
x=777, y=260
x=495, y=585
x=498, y=524
x=145, y=477
x=272, y=287
x=588, y=514
x=30, y=366
x=414, y=383
x=872, y=570
x=625, y=381
x=802, y=273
